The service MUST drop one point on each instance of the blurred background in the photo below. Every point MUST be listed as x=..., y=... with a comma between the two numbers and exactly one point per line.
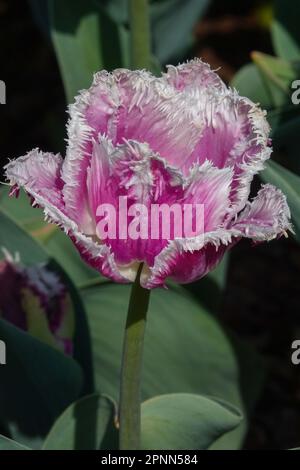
x=254, y=46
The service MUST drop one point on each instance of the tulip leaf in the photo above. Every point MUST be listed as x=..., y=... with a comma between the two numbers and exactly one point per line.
x=278, y=75
x=289, y=183
x=185, y=348
x=284, y=44
x=60, y=247
x=172, y=23
x=185, y=421
x=15, y=240
x=268, y=82
x=34, y=372
x=286, y=35
x=249, y=82
x=81, y=32
x=87, y=424
x=9, y=444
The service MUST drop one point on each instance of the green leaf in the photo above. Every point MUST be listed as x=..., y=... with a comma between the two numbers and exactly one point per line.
x=88, y=424
x=14, y=239
x=289, y=183
x=282, y=115
x=9, y=444
x=81, y=32
x=284, y=44
x=185, y=421
x=37, y=382
x=287, y=39
x=186, y=350
x=60, y=247
x=172, y=23
x=278, y=75
x=20, y=209
x=249, y=82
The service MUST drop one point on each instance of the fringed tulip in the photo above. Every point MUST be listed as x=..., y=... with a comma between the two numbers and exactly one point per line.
x=183, y=138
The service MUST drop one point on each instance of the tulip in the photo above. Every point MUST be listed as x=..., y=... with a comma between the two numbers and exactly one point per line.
x=183, y=138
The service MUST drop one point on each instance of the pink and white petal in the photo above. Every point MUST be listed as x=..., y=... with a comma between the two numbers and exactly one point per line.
x=188, y=260
x=266, y=217
x=96, y=254
x=98, y=176
x=137, y=174
x=209, y=186
x=94, y=111
x=98, y=257
x=39, y=172
x=193, y=74
x=152, y=111
x=235, y=134
x=250, y=152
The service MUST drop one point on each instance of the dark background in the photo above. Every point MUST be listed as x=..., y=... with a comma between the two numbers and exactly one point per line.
x=261, y=301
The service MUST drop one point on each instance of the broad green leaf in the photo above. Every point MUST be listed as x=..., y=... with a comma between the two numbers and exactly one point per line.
x=278, y=75
x=20, y=208
x=172, y=23
x=14, y=239
x=88, y=424
x=249, y=82
x=185, y=348
x=31, y=219
x=185, y=421
x=9, y=444
x=60, y=247
x=282, y=115
x=284, y=44
x=289, y=183
x=81, y=33
x=287, y=41
x=37, y=382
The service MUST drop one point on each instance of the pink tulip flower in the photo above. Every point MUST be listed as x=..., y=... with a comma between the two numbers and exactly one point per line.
x=183, y=138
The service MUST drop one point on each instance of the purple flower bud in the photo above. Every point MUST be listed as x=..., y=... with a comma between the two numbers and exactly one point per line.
x=35, y=300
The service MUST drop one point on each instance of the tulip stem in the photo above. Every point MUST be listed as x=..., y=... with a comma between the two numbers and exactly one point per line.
x=140, y=34
x=130, y=390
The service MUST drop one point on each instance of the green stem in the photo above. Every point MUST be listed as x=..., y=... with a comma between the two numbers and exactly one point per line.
x=140, y=34
x=130, y=390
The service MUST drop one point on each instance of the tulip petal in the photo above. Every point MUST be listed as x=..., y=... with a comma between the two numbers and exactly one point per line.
x=40, y=172
x=191, y=75
x=266, y=217
x=94, y=111
x=234, y=134
x=186, y=261
x=153, y=112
